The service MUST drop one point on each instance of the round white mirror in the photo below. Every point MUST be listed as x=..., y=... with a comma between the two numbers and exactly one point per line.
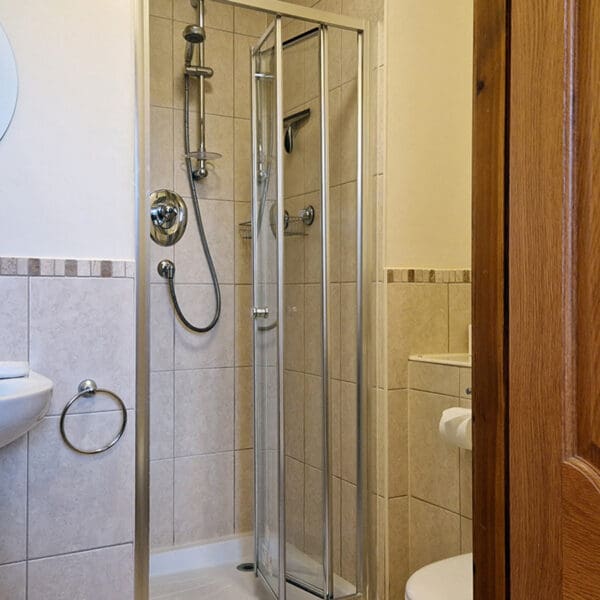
x=9, y=83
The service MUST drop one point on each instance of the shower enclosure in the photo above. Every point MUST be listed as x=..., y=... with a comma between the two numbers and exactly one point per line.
x=285, y=348
x=330, y=277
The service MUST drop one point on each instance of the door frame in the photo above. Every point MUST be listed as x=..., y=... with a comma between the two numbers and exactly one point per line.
x=491, y=71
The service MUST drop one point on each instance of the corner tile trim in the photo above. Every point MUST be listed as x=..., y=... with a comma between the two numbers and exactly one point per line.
x=60, y=267
x=428, y=275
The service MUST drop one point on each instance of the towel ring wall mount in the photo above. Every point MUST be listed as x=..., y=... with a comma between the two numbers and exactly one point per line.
x=86, y=389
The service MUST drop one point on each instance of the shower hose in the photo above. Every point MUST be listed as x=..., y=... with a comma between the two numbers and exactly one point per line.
x=201, y=231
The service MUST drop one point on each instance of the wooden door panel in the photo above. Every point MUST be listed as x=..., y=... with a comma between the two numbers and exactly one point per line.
x=580, y=470
x=554, y=283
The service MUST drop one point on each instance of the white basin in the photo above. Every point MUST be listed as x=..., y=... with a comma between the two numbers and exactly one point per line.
x=23, y=403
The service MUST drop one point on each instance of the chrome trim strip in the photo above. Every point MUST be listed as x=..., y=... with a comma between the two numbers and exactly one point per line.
x=312, y=15
x=328, y=575
x=255, y=301
x=280, y=302
x=142, y=304
x=361, y=414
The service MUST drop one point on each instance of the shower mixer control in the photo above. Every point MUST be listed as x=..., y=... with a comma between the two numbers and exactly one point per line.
x=168, y=215
x=260, y=313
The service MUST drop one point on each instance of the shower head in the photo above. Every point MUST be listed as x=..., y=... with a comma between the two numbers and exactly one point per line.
x=194, y=34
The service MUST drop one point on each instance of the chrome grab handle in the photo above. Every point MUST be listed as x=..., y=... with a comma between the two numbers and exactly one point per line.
x=260, y=312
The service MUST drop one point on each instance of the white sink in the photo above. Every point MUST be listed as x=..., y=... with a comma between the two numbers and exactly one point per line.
x=23, y=403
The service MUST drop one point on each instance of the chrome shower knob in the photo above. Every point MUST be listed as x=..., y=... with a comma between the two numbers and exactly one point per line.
x=168, y=214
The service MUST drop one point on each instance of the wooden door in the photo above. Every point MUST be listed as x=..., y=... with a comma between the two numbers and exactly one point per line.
x=554, y=300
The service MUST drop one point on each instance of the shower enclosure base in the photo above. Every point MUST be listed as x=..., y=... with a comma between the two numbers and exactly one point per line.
x=209, y=571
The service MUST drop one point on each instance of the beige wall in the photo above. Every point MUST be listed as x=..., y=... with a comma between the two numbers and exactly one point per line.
x=428, y=97
x=67, y=159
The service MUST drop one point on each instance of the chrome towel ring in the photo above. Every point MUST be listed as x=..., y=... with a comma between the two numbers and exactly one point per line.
x=88, y=388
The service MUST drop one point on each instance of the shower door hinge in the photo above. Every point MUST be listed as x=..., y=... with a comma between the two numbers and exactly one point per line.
x=260, y=312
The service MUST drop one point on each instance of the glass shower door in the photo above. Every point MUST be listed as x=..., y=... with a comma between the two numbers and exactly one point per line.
x=267, y=234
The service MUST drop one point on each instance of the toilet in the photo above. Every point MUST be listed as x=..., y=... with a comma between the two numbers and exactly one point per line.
x=449, y=579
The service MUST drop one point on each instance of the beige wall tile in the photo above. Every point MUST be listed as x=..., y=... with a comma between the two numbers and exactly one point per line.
x=244, y=408
x=348, y=231
x=295, y=500
x=161, y=8
x=14, y=318
x=336, y=488
x=313, y=337
x=434, y=534
x=294, y=399
x=465, y=383
x=241, y=91
x=243, y=325
x=13, y=581
x=212, y=349
x=313, y=421
x=312, y=241
x=348, y=332
x=83, y=575
x=249, y=22
x=313, y=512
x=466, y=535
x=429, y=377
x=204, y=411
x=417, y=324
x=13, y=501
x=434, y=464
x=460, y=316
x=310, y=136
x=294, y=327
x=161, y=328
x=192, y=266
x=161, y=62
x=244, y=490
x=161, y=414
x=335, y=391
x=348, y=431
x=242, y=165
x=203, y=497
x=348, y=525
x=243, y=247
x=336, y=124
x=68, y=318
x=219, y=88
x=294, y=244
x=57, y=475
x=398, y=552
x=161, y=503
x=348, y=114
x=161, y=148
x=219, y=138
x=397, y=443
x=216, y=14
x=335, y=232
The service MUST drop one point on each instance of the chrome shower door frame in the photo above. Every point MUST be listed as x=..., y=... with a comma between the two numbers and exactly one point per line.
x=324, y=21
x=256, y=80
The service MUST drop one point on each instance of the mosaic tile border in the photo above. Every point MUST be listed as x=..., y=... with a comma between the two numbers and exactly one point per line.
x=429, y=275
x=60, y=267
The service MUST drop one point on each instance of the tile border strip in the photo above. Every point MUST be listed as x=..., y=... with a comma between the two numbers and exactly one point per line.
x=60, y=267
x=428, y=275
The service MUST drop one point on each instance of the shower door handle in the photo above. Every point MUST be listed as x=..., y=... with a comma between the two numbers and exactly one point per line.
x=260, y=312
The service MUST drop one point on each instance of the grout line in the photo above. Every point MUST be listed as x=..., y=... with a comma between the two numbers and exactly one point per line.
x=74, y=552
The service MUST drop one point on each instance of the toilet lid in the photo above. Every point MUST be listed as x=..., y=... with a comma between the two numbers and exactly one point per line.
x=449, y=579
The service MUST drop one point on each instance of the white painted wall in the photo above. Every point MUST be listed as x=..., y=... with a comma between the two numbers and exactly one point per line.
x=429, y=49
x=67, y=160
